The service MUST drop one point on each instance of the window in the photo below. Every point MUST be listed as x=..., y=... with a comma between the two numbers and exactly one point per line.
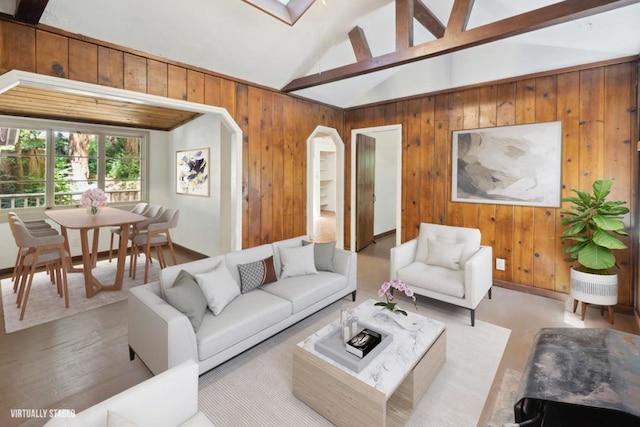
x=288, y=11
x=52, y=166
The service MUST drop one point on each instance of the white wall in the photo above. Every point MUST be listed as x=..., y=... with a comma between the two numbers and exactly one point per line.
x=200, y=220
x=385, y=181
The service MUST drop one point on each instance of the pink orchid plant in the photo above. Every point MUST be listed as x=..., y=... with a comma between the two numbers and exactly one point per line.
x=386, y=290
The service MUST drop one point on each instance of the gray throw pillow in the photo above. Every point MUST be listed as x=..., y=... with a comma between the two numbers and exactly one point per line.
x=186, y=296
x=255, y=274
x=323, y=254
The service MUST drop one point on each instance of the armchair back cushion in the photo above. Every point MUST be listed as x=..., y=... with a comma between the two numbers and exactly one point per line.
x=453, y=245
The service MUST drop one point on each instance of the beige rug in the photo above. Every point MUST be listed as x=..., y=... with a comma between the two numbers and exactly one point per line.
x=45, y=305
x=254, y=388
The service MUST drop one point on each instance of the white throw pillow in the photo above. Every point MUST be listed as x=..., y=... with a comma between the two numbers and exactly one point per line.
x=297, y=261
x=218, y=287
x=443, y=254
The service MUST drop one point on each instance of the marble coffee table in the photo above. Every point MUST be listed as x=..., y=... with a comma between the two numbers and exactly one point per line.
x=387, y=389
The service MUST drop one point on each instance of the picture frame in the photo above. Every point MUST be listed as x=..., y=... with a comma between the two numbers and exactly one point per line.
x=509, y=165
x=192, y=172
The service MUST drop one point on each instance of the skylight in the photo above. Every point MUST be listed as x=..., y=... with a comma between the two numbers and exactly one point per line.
x=288, y=11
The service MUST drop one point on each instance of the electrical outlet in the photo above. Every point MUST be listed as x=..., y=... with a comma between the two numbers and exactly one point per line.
x=500, y=264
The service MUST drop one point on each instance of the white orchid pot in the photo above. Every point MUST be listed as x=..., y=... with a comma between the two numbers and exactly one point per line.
x=595, y=289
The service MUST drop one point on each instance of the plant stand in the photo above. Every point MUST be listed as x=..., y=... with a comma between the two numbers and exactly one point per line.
x=594, y=289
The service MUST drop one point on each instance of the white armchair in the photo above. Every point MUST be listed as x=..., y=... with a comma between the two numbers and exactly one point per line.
x=446, y=263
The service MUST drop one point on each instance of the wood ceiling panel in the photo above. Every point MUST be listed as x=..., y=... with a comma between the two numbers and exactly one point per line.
x=50, y=104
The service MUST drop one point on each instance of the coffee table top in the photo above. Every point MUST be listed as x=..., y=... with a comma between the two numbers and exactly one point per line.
x=410, y=342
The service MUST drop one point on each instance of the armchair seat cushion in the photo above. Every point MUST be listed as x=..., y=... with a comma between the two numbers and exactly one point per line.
x=433, y=278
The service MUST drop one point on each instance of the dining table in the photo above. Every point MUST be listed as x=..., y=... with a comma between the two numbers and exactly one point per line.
x=79, y=219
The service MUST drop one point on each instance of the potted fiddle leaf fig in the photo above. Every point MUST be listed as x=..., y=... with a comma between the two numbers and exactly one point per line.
x=595, y=225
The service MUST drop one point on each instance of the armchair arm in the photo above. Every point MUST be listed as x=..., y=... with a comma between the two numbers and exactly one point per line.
x=344, y=262
x=401, y=256
x=478, y=275
x=158, y=333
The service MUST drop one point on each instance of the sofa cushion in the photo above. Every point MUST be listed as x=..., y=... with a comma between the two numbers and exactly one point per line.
x=323, y=254
x=443, y=254
x=469, y=237
x=433, y=278
x=186, y=296
x=246, y=256
x=244, y=317
x=297, y=261
x=168, y=275
x=255, y=274
x=288, y=243
x=218, y=287
x=304, y=291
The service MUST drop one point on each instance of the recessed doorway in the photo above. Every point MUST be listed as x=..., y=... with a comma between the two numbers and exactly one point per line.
x=325, y=186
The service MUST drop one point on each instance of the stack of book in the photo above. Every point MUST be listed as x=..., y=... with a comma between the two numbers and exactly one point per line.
x=362, y=343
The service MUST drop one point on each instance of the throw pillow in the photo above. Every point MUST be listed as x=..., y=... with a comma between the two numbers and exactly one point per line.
x=444, y=254
x=218, y=287
x=116, y=420
x=256, y=274
x=186, y=296
x=323, y=254
x=297, y=261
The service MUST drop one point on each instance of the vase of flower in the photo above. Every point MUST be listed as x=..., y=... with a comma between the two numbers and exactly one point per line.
x=93, y=199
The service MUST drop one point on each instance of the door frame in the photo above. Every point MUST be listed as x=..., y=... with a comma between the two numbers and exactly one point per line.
x=368, y=131
x=339, y=143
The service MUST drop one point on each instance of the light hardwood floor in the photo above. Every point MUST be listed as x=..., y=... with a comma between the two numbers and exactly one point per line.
x=78, y=361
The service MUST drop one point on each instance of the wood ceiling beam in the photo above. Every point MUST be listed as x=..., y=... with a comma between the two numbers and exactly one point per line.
x=30, y=11
x=544, y=17
x=459, y=17
x=404, y=24
x=359, y=44
x=427, y=19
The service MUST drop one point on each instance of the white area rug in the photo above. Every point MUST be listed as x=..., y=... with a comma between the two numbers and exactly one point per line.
x=254, y=388
x=45, y=305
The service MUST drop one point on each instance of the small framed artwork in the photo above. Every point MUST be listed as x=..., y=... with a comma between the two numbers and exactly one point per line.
x=192, y=172
x=510, y=165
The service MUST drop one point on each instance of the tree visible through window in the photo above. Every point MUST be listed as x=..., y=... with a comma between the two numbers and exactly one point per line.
x=80, y=161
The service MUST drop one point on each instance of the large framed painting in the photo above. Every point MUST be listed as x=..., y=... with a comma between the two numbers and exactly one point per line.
x=511, y=165
x=192, y=172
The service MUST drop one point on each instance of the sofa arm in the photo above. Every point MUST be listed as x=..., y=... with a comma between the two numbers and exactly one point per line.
x=401, y=256
x=344, y=262
x=158, y=333
x=168, y=399
x=478, y=275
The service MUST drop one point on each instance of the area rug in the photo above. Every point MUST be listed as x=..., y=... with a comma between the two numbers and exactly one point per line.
x=502, y=413
x=45, y=305
x=254, y=388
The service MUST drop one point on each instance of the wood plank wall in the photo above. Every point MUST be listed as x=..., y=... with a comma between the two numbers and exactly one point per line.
x=275, y=126
x=597, y=108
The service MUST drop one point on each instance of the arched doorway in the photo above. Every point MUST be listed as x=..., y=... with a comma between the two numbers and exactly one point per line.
x=325, y=181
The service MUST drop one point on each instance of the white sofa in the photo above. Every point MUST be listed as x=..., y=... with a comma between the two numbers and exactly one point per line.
x=163, y=337
x=445, y=263
x=166, y=400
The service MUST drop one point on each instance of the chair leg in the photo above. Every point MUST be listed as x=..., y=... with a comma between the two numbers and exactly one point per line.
x=65, y=283
x=23, y=283
x=473, y=317
x=111, y=247
x=490, y=289
x=173, y=253
x=26, y=294
x=132, y=354
x=353, y=296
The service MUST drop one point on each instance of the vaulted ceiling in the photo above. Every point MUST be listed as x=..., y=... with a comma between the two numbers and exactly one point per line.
x=234, y=38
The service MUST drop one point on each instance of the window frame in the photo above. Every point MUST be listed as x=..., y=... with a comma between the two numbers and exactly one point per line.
x=51, y=126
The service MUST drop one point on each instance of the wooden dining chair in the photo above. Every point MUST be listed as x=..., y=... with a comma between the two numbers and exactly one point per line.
x=139, y=209
x=47, y=251
x=37, y=228
x=157, y=235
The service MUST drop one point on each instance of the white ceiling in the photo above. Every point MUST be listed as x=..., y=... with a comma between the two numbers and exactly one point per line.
x=234, y=38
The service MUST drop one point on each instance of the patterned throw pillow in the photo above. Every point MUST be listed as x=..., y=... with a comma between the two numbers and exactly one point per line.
x=256, y=273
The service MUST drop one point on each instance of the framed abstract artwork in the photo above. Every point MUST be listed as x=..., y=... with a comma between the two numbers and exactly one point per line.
x=192, y=172
x=511, y=165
